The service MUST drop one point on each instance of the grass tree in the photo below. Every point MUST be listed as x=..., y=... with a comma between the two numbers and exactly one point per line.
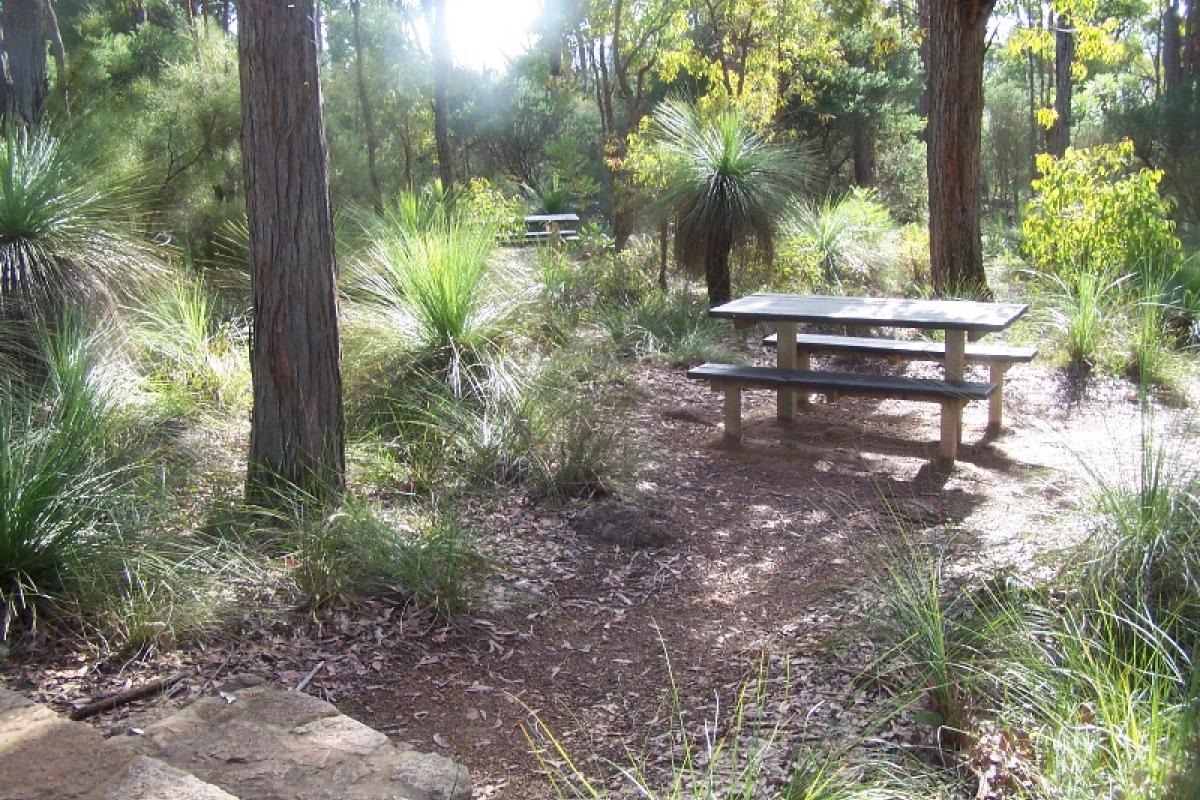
x=65, y=234
x=726, y=185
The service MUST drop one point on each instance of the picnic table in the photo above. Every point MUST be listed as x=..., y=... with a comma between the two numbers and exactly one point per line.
x=547, y=227
x=958, y=319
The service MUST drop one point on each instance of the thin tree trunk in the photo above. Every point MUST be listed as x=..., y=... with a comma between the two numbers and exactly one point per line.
x=956, y=50
x=716, y=271
x=440, y=47
x=54, y=34
x=864, y=155
x=24, y=82
x=189, y=11
x=367, y=112
x=664, y=237
x=1191, y=42
x=297, y=434
x=1064, y=83
x=923, y=53
x=226, y=14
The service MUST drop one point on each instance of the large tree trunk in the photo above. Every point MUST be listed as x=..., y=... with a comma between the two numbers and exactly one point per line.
x=24, y=82
x=956, y=50
x=1171, y=47
x=440, y=47
x=1064, y=84
x=297, y=434
x=365, y=101
x=1191, y=42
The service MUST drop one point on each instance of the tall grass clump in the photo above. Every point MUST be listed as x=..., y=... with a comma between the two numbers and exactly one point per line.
x=65, y=233
x=192, y=358
x=673, y=328
x=849, y=242
x=434, y=293
x=60, y=483
x=1082, y=306
x=736, y=754
x=352, y=553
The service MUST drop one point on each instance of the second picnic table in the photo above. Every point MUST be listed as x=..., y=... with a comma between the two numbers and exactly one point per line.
x=959, y=319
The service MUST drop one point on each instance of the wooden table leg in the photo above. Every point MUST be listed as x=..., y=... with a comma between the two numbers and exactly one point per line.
x=785, y=350
x=733, y=413
x=956, y=345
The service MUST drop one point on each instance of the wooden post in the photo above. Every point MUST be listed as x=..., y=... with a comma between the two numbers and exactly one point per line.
x=733, y=413
x=785, y=352
x=996, y=401
x=956, y=345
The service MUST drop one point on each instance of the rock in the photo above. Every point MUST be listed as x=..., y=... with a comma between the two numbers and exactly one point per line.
x=273, y=744
x=150, y=779
x=432, y=777
x=622, y=524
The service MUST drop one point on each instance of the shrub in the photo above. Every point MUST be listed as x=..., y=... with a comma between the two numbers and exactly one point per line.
x=1094, y=213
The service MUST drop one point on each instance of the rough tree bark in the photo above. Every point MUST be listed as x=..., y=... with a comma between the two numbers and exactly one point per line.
x=297, y=434
x=864, y=155
x=1059, y=137
x=24, y=82
x=956, y=50
x=1191, y=42
x=440, y=47
x=364, y=100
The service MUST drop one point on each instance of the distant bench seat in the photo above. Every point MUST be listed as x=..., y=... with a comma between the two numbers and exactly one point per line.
x=732, y=379
x=999, y=357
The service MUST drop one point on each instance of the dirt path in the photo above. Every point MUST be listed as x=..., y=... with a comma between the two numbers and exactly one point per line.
x=777, y=548
x=775, y=556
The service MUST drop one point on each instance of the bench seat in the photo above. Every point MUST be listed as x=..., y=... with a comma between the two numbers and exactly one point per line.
x=732, y=379
x=915, y=350
x=842, y=383
x=998, y=357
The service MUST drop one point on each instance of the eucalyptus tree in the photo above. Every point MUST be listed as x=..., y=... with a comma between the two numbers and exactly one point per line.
x=26, y=26
x=297, y=433
x=726, y=185
x=956, y=51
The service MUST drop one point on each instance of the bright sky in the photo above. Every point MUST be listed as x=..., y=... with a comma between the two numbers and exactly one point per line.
x=484, y=33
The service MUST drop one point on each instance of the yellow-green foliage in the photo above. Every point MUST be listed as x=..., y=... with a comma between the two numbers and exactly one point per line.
x=1094, y=212
x=483, y=203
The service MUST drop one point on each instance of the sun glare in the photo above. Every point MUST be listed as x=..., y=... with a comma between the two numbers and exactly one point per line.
x=486, y=33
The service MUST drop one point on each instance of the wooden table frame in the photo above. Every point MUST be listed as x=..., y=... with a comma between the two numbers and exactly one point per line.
x=958, y=319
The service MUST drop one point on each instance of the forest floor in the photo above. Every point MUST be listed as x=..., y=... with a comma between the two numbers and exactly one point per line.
x=769, y=559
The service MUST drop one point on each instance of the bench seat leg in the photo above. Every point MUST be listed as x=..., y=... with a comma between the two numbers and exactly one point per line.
x=948, y=443
x=733, y=413
x=996, y=401
x=804, y=362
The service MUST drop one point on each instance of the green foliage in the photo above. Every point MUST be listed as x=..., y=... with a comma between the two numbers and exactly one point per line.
x=550, y=196
x=65, y=234
x=1094, y=213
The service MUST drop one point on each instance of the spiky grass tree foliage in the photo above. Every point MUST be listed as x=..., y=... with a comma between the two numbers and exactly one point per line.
x=726, y=185
x=64, y=230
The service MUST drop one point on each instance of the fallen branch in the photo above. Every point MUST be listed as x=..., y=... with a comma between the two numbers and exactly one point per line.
x=110, y=701
x=312, y=673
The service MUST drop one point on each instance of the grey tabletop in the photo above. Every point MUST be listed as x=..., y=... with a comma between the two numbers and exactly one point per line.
x=552, y=218
x=962, y=315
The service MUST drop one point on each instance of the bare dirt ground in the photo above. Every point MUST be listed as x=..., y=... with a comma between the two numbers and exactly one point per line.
x=772, y=554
